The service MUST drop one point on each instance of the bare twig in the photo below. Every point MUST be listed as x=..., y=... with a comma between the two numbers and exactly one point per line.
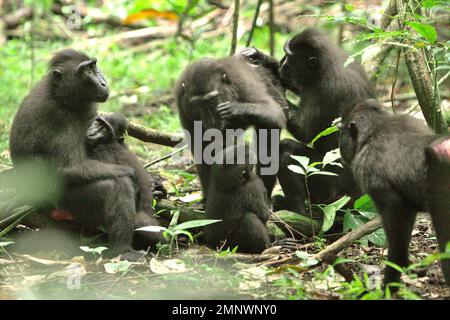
x=235, y=27
x=167, y=156
x=356, y=234
x=154, y=136
x=255, y=19
x=272, y=28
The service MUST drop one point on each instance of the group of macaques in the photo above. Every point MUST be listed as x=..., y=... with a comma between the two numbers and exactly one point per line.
x=396, y=159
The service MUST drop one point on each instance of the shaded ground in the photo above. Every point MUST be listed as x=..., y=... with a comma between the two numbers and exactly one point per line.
x=199, y=273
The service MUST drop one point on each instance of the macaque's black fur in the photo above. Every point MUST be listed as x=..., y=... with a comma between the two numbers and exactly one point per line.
x=50, y=129
x=237, y=196
x=242, y=96
x=386, y=154
x=105, y=142
x=313, y=68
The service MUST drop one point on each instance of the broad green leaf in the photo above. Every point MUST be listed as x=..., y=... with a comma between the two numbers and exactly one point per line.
x=330, y=210
x=378, y=237
x=194, y=224
x=315, y=164
x=349, y=221
x=304, y=161
x=306, y=258
x=324, y=173
x=340, y=260
x=370, y=52
x=151, y=229
x=296, y=169
x=349, y=7
x=97, y=250
x=331, y=156
x=432, y=3
x=368, y=215
x=324, y=133
x=114, y=267
x=365, y=203
x=425, y=30
x=349, y=60
x=394, y=266
x=5, y=243
x=174, y=220
x=187, y=233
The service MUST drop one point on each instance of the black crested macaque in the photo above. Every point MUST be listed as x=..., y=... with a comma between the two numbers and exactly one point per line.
x=105, y=142
x=225, y=94
x=386, y=154
x=50, y=129
x=237, y=196
x=438, y=193
x=313, y=68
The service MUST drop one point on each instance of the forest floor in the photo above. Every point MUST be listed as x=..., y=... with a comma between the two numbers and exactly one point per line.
x=199, y=273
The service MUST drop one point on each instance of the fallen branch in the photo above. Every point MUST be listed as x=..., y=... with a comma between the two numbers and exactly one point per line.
x=132, y=37
x=13, y=20
x=154, y=136
x=167, y=156
x=344, y=241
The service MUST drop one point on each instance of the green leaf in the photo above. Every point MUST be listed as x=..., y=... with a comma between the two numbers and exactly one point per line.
x=174, y=220
x=394, y=266
x=97, y=250
x=349, y=222
x=5, y=243
x=349, y=60
x=324, y=133
x=296, y=169
x=365, y=203
x=152, y=229
x=330, y=210
x=324, y=173
x=306, y=258
x=340, y=260
x=432, y=3
x=194, y=224
x=304, y=161
x=368, y=215
x=314, y=164
x=331, y=156
x=378, y=237
x=349, y=7
x=187, y=233
x=114, y=267
x=425, y=30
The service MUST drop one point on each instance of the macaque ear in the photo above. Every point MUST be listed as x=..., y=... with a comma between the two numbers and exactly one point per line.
x=353, y=129
x=287, y=48
x=225, y=79
x=313, y=62
x=57, y=74
x=245, y=175
x=85, y=64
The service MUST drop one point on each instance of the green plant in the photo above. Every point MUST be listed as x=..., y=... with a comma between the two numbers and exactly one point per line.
x=363, y=211
x=174, y=229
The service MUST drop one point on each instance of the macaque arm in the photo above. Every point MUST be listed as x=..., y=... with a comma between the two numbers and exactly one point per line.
x=93, y=170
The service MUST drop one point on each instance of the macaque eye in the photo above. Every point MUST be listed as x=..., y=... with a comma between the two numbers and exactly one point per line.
x=312, y=62
x=225, y=79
